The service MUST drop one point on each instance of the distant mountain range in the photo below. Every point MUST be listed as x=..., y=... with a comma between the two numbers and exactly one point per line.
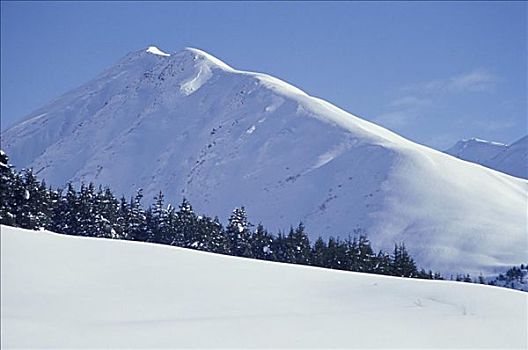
x=190, y=125
x=510, y=159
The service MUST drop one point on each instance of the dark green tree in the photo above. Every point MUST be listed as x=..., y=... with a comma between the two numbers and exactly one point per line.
x=319, y=253
x=137, y=229
x=185, y=228
x=261, y=243
x=403, y=264
x=280, y=248
x=7, y=191
x=238, y=233
x=299, y=246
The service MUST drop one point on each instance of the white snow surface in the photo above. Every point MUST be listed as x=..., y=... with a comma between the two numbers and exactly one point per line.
x=190, y=125
x=154, y=50
x=71, y=292
x=510, y=159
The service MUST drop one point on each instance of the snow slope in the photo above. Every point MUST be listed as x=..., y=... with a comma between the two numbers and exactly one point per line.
x=190, y=125
x=70, y=292
x=510, y=159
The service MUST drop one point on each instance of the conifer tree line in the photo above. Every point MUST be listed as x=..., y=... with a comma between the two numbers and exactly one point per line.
x=95, y=212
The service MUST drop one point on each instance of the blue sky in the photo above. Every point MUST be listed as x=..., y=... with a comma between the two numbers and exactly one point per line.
x=433, y=72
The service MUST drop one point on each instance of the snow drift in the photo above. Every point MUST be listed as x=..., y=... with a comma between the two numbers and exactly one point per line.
x=70, y=292
x=190, y=125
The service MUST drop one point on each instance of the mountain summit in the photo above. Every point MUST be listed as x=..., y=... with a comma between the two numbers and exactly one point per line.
x=190, y=125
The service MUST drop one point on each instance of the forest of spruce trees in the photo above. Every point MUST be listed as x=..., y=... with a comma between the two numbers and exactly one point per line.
x=96, y=212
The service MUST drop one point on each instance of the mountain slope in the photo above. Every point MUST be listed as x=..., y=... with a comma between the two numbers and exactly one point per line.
x=78, y=292
x=190, y=125
x=510, y=159
x=514, y=160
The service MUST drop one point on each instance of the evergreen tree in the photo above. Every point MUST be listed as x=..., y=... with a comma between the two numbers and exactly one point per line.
x=366, y=256
x=383, y=263
x=185, y=228
x=7, y=195
x=148, y=226
x=467, y=278
x=238, y=234
x=319, y=253
x=136, y=220
x=45, y=203
x=299, y=246
x=63, y=216
x=33, y=202
x=336, y=255
x=280, y=248
x=55, y=200
x=261, y=243
x=122, y=221
x=18, y=203
x=106, y=214
x=402, y=264
x=158, y=222
x=167, y=230
x=163, y=221
x=85, y=213
x=210, y=235
x=352, y=261
x=424, y=274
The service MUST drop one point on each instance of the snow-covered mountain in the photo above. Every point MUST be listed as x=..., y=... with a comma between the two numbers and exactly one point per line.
x=70, y=292
x=476, y=150
x=190, y=125
x=510, y=159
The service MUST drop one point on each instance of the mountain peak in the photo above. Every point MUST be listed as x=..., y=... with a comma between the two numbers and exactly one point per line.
x=200, y=55
x=475, y=148
x=188, y=54
x=155, y=51
x=482, y=141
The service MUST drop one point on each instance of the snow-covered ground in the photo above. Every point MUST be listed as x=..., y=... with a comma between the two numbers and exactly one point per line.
x=190, y=125
x=67, y=292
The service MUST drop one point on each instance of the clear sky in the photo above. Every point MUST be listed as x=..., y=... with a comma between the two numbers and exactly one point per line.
x=434, y=72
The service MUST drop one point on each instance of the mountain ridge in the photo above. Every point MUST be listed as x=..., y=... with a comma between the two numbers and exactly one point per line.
x=510, y=159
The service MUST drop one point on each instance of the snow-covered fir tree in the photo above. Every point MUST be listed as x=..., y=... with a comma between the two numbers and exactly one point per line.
x=280, y=248
x=319, y=253
x=261, y=244
x=7, y=191
x=299, y=246
x=210, y=235
x=86, y=210
x=238, y=233
x=106, y=214
x=403, y=264
x=136, y=220
x=185, y=228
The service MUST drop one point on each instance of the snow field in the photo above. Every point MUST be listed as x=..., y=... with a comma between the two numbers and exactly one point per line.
x=70, y=292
